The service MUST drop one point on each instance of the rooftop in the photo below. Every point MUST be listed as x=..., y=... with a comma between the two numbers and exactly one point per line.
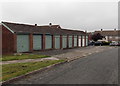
x=108, y=32
x=52, y=29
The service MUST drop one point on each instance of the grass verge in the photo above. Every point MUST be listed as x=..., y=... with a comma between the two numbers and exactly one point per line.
x=13, y=70
x=20, y=57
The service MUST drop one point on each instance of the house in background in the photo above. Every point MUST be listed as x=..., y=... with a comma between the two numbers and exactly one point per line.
x=17, y=38
x=110, y=35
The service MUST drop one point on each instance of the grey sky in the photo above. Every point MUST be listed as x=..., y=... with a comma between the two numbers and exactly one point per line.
x=78, y=15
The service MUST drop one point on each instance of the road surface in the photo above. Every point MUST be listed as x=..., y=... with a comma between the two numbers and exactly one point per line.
x=98, y=68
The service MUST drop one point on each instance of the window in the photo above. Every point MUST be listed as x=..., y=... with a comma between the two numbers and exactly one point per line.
x=116, y=37
x=110, y=37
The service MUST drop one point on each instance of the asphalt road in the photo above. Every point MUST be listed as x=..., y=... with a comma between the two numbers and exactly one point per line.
x=99, y=68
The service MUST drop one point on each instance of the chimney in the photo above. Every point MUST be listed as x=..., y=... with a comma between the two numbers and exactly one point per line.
x=35, y=24
x=50, y=24
x=101, y=30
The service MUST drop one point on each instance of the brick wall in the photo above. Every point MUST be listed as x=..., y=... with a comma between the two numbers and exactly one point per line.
x=8, y=41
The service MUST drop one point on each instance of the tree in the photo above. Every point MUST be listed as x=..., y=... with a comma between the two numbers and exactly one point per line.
x=97, y=36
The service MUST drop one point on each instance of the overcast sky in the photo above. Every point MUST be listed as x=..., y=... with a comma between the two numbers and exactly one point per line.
x=72, y=14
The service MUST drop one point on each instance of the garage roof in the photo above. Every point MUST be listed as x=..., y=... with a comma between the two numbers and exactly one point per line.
x=51, y=29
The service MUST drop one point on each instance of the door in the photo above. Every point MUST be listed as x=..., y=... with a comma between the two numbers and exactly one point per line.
x=86, y=40
x=37, y=42
x=48, y=43
x=79, y=41
x=22, y=43
x=70, y=41
x=75, y=41
x=64, y=41
x=83, y=41
x=57, y=41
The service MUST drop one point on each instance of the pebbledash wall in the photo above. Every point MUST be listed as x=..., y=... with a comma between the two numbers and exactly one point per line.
x=18, y=38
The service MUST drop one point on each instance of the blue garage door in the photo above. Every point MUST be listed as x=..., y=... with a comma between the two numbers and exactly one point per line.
x=37, y=40
x=70, y=41
x=22, y=43
x=86, y=40
x=83, y=41
x=48, y=43
x=75, y=41
x=64, y=41
x=79, y=41
x=57, y=41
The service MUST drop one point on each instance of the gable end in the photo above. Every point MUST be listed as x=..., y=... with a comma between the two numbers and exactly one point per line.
x=7, y=27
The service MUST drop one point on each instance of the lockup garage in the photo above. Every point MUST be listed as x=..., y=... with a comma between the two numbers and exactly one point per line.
x=18, y=38
x=57, y=41
x=37, y=42
x=22, y=43
x=70, y=41
x=75, y=41
x=64, y=41
x=48, y=43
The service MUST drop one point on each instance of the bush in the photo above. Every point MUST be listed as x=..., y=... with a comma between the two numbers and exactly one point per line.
x=106, y=43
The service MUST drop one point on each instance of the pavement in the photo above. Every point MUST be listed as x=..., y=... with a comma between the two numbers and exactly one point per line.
x=97, y=68
x=68, y=54
x=78, y=53
x=29, y=60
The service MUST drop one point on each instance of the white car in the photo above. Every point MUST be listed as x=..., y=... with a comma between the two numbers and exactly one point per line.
x=114, y=43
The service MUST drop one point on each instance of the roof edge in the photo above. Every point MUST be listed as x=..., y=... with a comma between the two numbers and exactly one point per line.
x=7, y=27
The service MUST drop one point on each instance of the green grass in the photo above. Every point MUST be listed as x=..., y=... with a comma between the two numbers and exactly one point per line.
x=13, y=70
x=20, y=57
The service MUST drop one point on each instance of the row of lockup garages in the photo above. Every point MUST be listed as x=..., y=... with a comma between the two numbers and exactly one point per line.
x=27, y=38
x=50, y=42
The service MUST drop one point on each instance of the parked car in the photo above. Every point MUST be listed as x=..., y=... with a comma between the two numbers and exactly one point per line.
x=112, y=44
x=115, y=44
x=98, y=43
x=91, y=43
x=118, y=44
